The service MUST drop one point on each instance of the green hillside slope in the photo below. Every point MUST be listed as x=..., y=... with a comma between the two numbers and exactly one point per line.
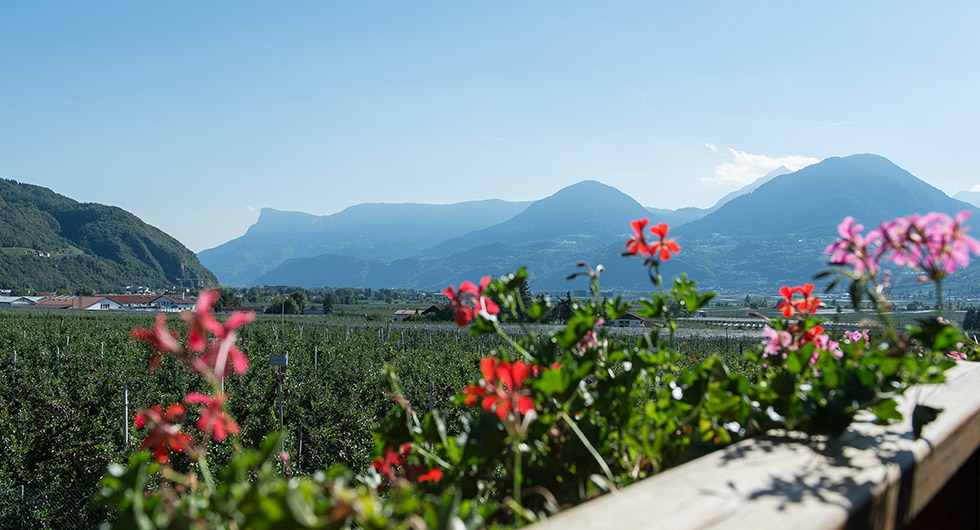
x=101, y=246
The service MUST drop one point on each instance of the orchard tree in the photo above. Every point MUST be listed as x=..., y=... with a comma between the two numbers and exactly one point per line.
x=299, y=297
x=283, y=305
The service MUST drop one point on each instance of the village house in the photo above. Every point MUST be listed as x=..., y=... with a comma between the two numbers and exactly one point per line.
x=174, y=303
x=95, y=303
x=134, y=302
x=402, y=314
x=631, y=320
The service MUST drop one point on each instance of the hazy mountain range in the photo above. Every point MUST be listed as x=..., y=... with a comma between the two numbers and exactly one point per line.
x=770, y=232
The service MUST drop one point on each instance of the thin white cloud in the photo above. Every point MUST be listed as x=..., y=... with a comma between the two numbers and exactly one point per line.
x=627, y=86
x=249, y=208
x=643, y=97
x=746, y=167
x=975, y=188
x=713, y=148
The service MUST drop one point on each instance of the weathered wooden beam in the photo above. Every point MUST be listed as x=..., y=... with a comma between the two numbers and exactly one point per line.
x=872, y=476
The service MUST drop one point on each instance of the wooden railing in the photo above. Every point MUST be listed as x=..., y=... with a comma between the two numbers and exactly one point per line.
x=873, y=476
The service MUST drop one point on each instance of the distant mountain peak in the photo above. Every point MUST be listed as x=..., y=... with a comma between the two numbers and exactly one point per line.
x=815, y=198
x=586, y=187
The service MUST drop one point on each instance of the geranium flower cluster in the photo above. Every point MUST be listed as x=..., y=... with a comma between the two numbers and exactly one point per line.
x=502, y=391
x=209, y=349
x=934, y=243
x=165, y=433
x=469, y=301
x=857, y=336
x=660, y=249
x=806, y=304
x=777, y=343
x=391, y=461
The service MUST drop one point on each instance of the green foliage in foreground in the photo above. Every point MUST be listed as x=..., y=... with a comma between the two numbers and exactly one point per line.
x=555, y=420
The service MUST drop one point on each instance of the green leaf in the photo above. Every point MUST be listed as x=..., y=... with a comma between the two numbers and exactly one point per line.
x=887, y=411
x=831, y=374
x=793, y=363
x=784, y=384
x=856, y=294
x=553, y=382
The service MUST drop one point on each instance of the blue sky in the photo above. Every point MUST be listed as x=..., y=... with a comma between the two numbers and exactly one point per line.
x=194, y=115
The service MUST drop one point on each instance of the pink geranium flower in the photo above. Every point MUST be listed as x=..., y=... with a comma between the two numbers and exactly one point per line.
x=934, y=243
x=852, y=248
x=161, y=339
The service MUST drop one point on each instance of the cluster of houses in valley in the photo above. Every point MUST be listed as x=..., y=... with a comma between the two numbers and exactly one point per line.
x=104, y=302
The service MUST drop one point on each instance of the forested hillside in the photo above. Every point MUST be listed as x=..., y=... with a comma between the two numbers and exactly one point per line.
x=49, y=241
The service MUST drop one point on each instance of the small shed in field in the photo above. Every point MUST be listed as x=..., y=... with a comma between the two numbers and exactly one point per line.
x=630, y=320
x=402, y=314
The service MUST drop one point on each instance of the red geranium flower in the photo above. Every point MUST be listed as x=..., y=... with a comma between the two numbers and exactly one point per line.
x=200, y=320
x=432, y=475
x=164, y=435
x=386, y=463
x=213, y=418
x=637, y=243
x=502, y=388
x=665, y=246
x=807, y=305
x=468, y=301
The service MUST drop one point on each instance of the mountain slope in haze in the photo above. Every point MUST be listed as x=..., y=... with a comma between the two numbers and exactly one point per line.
x=777, y=234
x=972, y=197
x=582, y=215
x=681, y=216
x=365, y=231
x=550, y=234
x=104, y=247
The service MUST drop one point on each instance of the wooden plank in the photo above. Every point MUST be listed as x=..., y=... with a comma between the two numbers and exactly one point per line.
x=872, y=476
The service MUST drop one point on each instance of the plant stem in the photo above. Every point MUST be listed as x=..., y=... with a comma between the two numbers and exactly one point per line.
x=202, y=463
x=588, y=445
x=517, y=481
x=658, y=280
x=513, y=344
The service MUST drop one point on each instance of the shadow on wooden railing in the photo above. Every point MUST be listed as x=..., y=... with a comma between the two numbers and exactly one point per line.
x=872, y=476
